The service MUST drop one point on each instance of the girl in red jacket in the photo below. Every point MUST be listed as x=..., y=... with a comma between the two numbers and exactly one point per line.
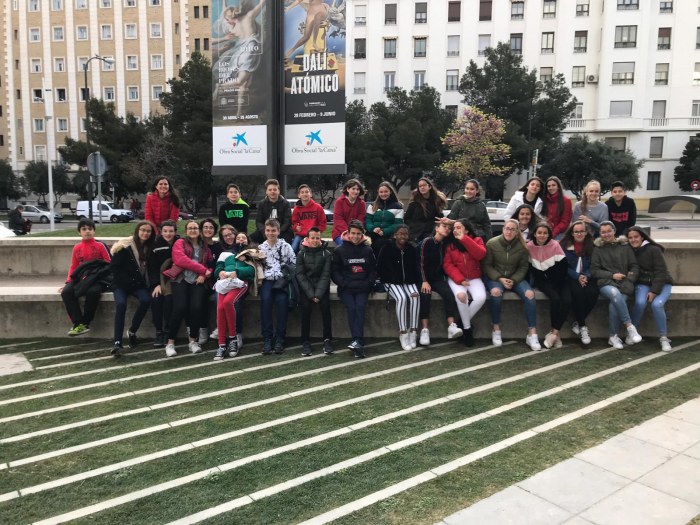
x=349, y=206
x=556, y=208
x=162, y=203
x=463, y=255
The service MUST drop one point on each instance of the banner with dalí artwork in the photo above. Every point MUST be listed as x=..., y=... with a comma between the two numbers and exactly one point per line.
x=242, y=54
x=314, y=86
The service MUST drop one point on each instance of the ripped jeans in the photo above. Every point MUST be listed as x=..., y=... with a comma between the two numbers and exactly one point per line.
x=617, y=309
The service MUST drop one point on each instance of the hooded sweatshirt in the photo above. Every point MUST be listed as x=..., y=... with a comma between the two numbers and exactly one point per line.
x=307, y=217
x=474, y=210
x=354, y=268
x=558, y=223
x=344, y=212
x=623, y=216
x=548, y=263
x=235, y=214
x=159, y=209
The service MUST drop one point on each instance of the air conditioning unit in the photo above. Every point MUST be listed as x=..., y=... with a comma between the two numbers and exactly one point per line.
x=592, y=79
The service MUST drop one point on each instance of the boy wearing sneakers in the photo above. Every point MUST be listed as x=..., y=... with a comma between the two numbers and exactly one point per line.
x=314, y=278
x=86, y=280
x=306, y=214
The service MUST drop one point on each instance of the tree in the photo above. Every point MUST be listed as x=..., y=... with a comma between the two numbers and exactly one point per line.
x=11, y=187
x=579, y=160
x=534, y=112
x=475, y=144
x=36, y=174
x=688, y=168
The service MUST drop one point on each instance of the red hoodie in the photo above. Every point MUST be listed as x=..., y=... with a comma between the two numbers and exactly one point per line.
x=344, y=212
x=559, y=223
x=460, y=266
x=87, y=251
x=159, y=210
x=307, y=217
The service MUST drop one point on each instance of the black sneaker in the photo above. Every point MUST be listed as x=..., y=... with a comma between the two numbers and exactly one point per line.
x=267, y=347
x=232, y=346
x=117, y=349
x=306, y=351
x=354, y=345
x=133, y=340
x=220, y=353
x=468, y=337
x=327, y=347
x=279, y=346
x=359, y=351
x=159, y=340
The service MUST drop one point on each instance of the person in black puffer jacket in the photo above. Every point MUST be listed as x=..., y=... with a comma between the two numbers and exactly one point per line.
x=130, y=277
x=161, y=300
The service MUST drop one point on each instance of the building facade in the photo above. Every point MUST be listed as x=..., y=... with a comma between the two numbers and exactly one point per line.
x=633, y=65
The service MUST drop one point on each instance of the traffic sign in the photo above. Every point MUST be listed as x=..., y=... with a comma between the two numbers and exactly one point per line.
x=96, y=164
x=695, y=185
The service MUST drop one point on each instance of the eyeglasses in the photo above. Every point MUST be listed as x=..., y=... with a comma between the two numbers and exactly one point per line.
x=208, y=228
x=227, y=235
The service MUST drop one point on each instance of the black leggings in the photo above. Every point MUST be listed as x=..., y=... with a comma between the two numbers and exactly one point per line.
x=584, y=299
x=559, y=302
x=448, y=298
x=188, y=303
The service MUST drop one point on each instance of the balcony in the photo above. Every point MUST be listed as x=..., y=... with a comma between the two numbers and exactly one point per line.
x=359, y=90
x=576, y=123
x=656, y=122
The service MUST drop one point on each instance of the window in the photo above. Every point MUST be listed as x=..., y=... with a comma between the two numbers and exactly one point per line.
x=577, y=113
x=108, y=66
x=484, y=43
x=81, y=4
x=57, y=33
x=105, y=4
x=81, y=33
x=389, y=48
x=56, y=5
x=664, y=40
x=154, y=3
x=177, y=28
x=452, y=80
x=2, y=140
x=360, y=15
x=130, y=31
x=485, y=8
x=360, y=83
x=656, y=147
x=106, y=32
x=661, y=75
x=454, y=11
x=35, y=65
x=453, y=46
x=580, y=41
x=108, y=93
x=82, y=63
x=546, y=74
x=695, y=108
x=38, y=125
x=582, y=7
x=418, y=80
x=197, y=44
x=18, y=93
x=33, y=5
x=653, y=180
x=40, y=153
x=623, y=73
x=420, y=45
x=421, y=12
x=156, y=61
x=360, y=48
x=658, y=109
x=516, y=43
x=616, y=143
x=578, y=76
x=627, y=4
x=84, y=94
x=620, y=108
x=132, y=93
x=34, y=34
x=205, y=11
x=132, y=62
x=389, y=14
x=60, y=94
x=196, y=11
x=156, y=30
x=156, y=92
x=59, y=64
x=547, y=42
x=696, y=74
x=61, y=125
x=666, y=7
x=37, y=95
x=626, y=36
x=129, y=3
x=517, y=10
x=549, y=9
x=697, y=38
x=389, y=80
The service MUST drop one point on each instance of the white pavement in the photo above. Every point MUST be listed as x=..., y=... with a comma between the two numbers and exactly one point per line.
x=14, y=364
x=648, y=475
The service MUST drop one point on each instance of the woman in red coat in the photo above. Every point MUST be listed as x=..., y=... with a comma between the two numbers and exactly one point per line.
x=556, y=208
x=162, y=203
x=462, y=265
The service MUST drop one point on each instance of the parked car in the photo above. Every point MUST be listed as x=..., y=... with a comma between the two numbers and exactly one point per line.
x=184, y=215
x=42, y=215
x=108, y=212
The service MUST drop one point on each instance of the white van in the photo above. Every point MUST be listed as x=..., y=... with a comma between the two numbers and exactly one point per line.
x=108, y=212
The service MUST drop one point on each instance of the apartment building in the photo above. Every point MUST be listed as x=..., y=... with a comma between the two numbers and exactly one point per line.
x=633, y=65
x=45, y=44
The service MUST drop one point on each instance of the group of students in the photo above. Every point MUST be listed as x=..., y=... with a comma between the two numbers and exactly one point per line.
x=409, y=254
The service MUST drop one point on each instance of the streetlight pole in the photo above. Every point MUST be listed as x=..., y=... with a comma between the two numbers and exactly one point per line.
x=87, y=122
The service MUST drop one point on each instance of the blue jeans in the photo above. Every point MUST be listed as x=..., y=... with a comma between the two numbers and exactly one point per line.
x=521, y=288
x=657, y=306
x=296, y=243
x=617, y=309
x=270, y=296
x=120, y=298
x=338, y=241
x=355, y=303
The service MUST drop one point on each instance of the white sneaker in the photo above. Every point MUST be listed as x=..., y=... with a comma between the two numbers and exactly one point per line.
x=575, y=328
x=424, y=337
x=412, y=339
x=665, y=344
x=633, y=336
x=558, y=343
x=194, y=347
x=203, y=336
x=585, y=338
x=615, y=342
x=403, y=339
x=170, y=350
x=454, y=331
x=550, y=340
x=214, y=335
x=533, y=342
x=496, y=338
x=240, y=341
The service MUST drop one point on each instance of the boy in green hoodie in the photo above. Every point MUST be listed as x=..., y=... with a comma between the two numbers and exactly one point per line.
x=235, y=210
